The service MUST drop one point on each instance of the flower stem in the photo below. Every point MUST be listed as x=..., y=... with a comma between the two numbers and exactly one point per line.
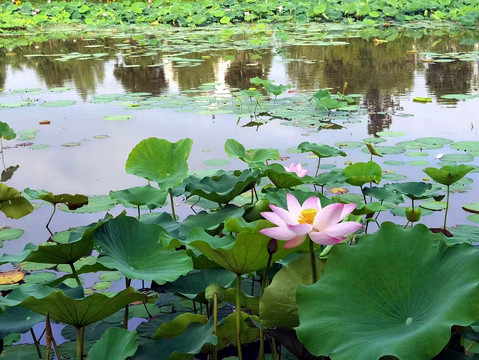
x=51, y=216
x=37, y=346
x=312, y=256
x=447, y=209
x=215, y=321
x=126, y=313
x=172, y=204
x=317, y=168
x=238, y=316
x=74, y=272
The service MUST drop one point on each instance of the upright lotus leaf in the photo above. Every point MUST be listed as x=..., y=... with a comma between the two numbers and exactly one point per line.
x=161, y=161
x=137, y=251
x=362, y=173
x=193, y=285
x=17, y=258
x=372, y=150
x=330, y=178
x=258, y=81
x=189, y=342
x=276, y=89
x=282, y=178
x=179, y=324
x=222, y=187
x=278, y=306
x=13, y=204
x=114, y=344
x=6, y=132
x=80, y=244
x=320, y=150
x=396, y=303
x=209, y=221
x=252, y=157
x=82, y=312
x=7, y=174
x=140, y=195
x=448, y=175
x=18, y=319
x=413, y=190
x=25, y=291
x=248, y=253
x=73, y=202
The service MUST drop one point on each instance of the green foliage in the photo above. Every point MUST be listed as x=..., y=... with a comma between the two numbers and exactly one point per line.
x=394, y=303
x=362, y=173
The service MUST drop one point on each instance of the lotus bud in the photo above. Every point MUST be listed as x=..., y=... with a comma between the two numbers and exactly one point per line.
x=413, y=215
x=213, y=289
x=272, y=246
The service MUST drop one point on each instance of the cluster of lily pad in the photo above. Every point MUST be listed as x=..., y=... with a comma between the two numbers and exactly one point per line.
x=198, y=13
x=235, y=278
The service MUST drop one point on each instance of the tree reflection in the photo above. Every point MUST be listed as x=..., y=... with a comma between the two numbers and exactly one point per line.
x=246, y=65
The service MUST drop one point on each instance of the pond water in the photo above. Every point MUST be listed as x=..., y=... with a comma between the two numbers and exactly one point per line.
x=170, y=87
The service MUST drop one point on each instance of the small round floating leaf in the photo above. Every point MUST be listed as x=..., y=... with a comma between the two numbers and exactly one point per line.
x=59, y=89
x=11, y=277
x=110, y=276
x=72, y=144
x=458, y=157
x=393, y=303
x=394, y=177
x=349, y=144
x=40, y=277
x=472, y=208
x=473, y=218
x=102, y=285
x=117, y=117
x=418, y=163
x=216, y=162
x=390, y=133
x=374, y=140
x=433, y=141
x=434, y=205
x=7, y=233
x=465, y=146
x=39, y=147
x=59, y=103
x=394, y=162
x=458, y=96
x=417, y=154
x=422, y=99
x=387, y=150
x=15, y=104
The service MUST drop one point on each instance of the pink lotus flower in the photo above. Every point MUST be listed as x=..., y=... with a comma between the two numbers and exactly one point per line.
x=297, y=169
x=321, y=224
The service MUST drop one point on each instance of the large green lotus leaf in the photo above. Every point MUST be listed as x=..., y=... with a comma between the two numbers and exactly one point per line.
x=6, y=131
x=73, y=202
x=17, y=319
x=253, y=157
x=179, y=324
x=25, y=291
x=361, y=173
x=196, y=282
x=190, y=341
x=80, y=244
x=140, y=195
x=396, y=303
x=137, y=251
x=320, y=150
x=448, y=175
x=330, y=178
x=209, y=221
x=413, y=190
x=22, y=352
x=383, y=194
x=161, y=161
x=278, y=304
x=15, y=259
x=282, y=178
x=248, y=253
x=84, y=311
x=12, y=204
x=222, y=187
x=115, y=344
x=227, y=330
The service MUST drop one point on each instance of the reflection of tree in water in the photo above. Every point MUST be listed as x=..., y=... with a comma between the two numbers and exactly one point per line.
x=378, y=72
x=449, y=78
x=143, y=78
x=239, y=73
x=3, y=67
x=198, y=73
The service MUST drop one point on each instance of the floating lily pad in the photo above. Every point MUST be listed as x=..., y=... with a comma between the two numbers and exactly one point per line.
x=40, y=277
x=117, y=117
x=59, y=103
x=30, y=90
x=434, y=141
x=472, y=207
x=38, y=147
x=390, y=133
x=434, y=205
x=458, y=157
x=465, y=146
x=7, y=233
x=473, y=218
x=59, y=89
x=349, y=144
x=72, y=144
x=110, y=276
x=387, y=150
x=27, y=134
x=394, y=162
x=417, y=154
x=102, y=285
x=374, y=140
x=15, y=104
x=418, y=163
x=216, y=162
